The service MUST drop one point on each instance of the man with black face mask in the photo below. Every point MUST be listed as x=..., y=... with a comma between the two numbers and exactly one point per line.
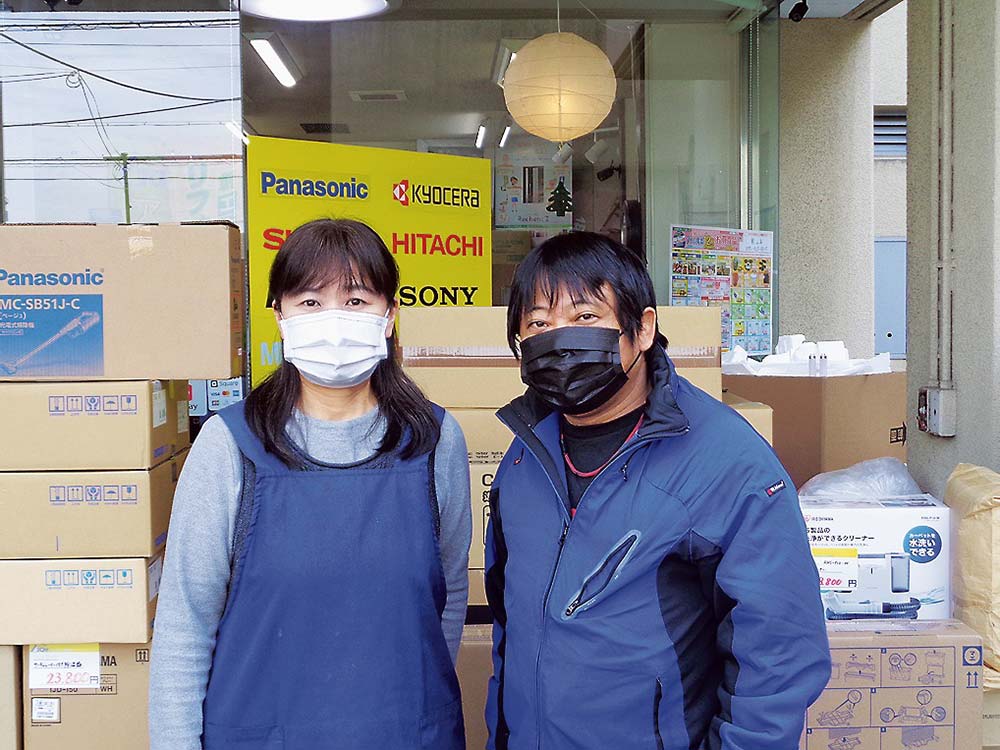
x=647, y=563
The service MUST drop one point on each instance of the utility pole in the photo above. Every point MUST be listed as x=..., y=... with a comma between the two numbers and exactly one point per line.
x=124, y=160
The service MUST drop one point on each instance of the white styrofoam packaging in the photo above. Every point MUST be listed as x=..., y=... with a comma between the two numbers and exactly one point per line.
x=886, y=558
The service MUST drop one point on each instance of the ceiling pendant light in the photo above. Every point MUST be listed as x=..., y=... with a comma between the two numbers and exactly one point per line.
x=316, y=10
x=560, y=87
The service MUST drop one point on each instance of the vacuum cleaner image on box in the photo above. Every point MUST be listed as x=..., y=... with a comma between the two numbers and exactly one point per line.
x=881, y=558
x=882, y=590
x=42, y=335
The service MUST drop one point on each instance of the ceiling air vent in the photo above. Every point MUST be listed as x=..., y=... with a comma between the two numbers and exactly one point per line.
x=325, y=128
x=378, y=96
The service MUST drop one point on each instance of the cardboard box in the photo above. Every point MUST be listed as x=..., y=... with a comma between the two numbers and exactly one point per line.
x=991, y=715
x=760, y=416
x=824, y=424
x=973, y=494
x=133, y=302
x=109, y=716
x=511, y=245
x=475, y=667
x=78, y=600
x=477, y=588
x=900, y=686
x=477, y=336
x=459, y=357
x=487, y=439
x=888, y=556
x=10, y=698
x=461, y=387
x=87, y=514
x=96, y=425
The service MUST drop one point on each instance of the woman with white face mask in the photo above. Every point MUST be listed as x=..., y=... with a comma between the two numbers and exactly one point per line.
x=315, y=585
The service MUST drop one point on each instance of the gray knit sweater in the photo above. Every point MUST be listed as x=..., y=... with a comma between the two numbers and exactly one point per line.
x=200, y=546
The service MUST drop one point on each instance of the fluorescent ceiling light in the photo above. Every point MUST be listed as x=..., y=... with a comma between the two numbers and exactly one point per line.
x=505, y=136
x=233, y=128
x=276, y=57
x=316, y=10
x=481, y=136
x=506, y=54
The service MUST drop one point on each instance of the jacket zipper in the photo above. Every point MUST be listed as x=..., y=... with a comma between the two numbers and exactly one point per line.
x=555, y=569
x=617, y=558
x=623, y=451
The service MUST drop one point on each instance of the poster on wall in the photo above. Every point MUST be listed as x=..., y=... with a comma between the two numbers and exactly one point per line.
x=432, y=211
x=728, y=268
x=531, y=191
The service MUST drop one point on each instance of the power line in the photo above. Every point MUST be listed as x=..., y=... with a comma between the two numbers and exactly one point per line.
x=130, y=179
x=101, y=77
x=143, y=124
x=123, y=114
x=4, y=66
x=123, y=44
x=147, y=24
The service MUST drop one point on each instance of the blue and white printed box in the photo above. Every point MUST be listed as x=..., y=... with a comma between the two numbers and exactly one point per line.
x=884, y=558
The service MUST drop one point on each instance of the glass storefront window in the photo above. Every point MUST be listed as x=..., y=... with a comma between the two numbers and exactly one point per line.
x=116, y=117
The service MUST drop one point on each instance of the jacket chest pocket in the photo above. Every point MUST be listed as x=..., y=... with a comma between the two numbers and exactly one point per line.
x=597, y=582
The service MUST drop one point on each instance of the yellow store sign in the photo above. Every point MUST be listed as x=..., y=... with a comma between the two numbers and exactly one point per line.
x=432, y=211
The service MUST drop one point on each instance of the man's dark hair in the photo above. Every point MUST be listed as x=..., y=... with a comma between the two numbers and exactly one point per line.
x=581, y=263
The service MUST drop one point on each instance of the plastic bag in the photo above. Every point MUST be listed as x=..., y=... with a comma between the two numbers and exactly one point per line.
x=881, y=477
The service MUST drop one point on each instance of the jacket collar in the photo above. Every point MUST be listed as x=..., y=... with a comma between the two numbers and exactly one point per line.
x=663, y=415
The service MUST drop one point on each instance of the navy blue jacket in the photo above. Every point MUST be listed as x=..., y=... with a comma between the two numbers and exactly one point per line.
x=679, y=610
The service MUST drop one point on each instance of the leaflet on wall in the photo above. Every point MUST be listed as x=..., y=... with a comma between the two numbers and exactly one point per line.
x=731, y=269
x=531, y=190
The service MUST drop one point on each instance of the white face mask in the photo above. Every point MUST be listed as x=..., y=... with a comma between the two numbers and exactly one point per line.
x=335, y=348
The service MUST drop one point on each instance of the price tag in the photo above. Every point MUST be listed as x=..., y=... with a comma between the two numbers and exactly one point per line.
x=68, y=665
x=838, y=568
x=159, y=408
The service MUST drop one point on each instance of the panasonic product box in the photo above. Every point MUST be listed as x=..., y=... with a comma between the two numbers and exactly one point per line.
x=121, y=302
x=900, y=686
x=87, y=513
x=105, y=425
x=110, y=600
x=105, y=706
x=10, y=698
x=881, y=558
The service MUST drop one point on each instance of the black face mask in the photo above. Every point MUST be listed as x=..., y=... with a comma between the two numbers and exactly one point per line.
x=575, y=369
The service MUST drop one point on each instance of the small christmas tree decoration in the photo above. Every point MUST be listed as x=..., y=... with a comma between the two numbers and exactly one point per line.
x=560, y=201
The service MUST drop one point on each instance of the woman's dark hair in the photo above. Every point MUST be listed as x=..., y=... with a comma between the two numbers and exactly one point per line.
x=314, y=255
x=582, y=263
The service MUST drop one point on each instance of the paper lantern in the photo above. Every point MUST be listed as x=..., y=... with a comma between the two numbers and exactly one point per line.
x=559, y=87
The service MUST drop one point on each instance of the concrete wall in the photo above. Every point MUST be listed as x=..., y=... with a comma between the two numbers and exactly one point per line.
x=825, y=267
x=890, y=197
x=976, y=235
x=889, y=89
x=889, y=57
